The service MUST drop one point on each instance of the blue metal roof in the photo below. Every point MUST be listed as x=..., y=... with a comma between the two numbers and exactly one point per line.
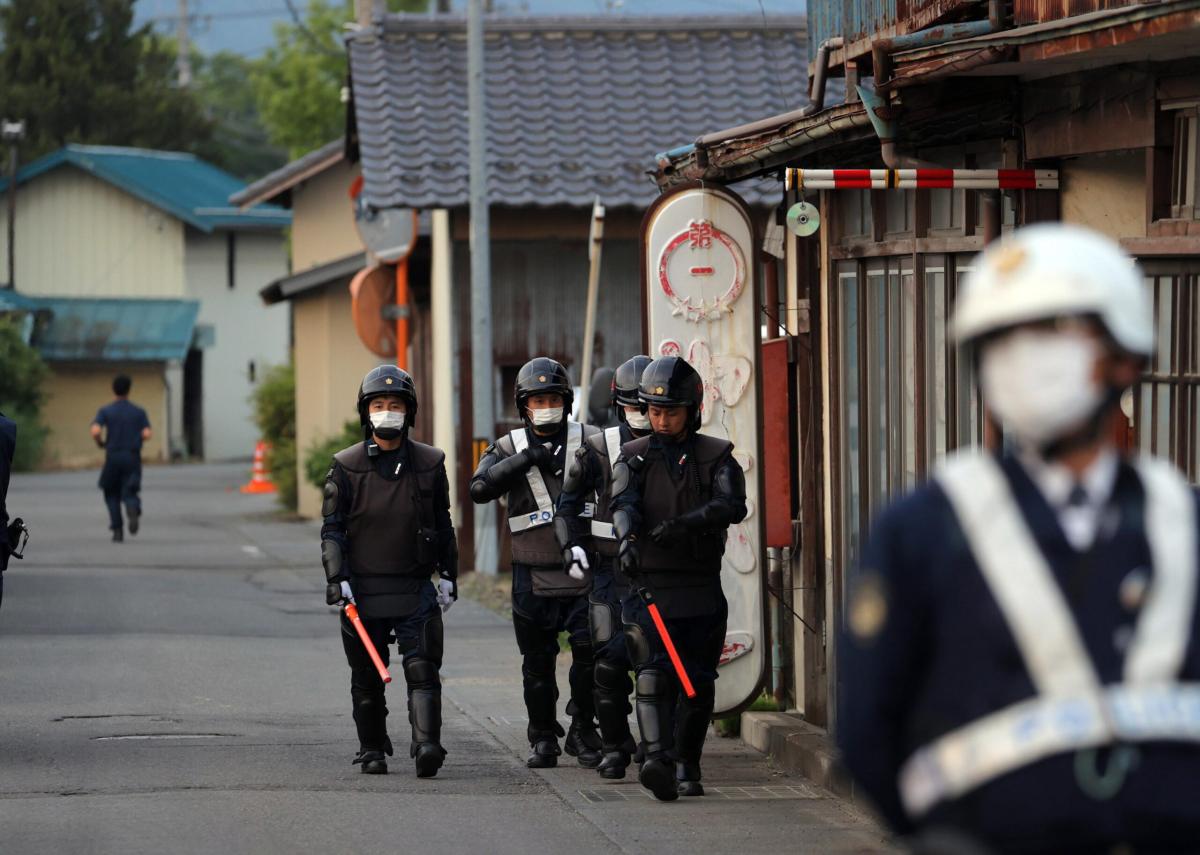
x=180, y=184
x=113, y=330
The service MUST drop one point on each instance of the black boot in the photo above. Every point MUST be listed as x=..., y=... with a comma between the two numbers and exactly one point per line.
x=544, y=751
x=655, y=702
x=373, y=762
x=692, y=718
x=583, y=743
x=425, y=715
x=541, y=698
x=118, y=535
x=615, y=762
x=613, y=687
x=133, y=515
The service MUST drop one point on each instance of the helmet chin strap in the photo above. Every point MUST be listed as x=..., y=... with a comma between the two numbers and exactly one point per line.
x=1088, y=433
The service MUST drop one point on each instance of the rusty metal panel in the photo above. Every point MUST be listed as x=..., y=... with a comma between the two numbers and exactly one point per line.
x=1086, y=113
x=777, y=445
x=862, y=21
x=1041, y=11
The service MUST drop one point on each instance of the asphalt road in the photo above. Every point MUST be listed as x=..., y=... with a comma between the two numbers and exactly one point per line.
x=186, y=692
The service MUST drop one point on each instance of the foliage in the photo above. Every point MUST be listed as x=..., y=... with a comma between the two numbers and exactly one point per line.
x=298, y=82
x=319, y=453
x=21, y=395
x=275, y=415
x=76, y=71
x=730, y=726
x=239, y=142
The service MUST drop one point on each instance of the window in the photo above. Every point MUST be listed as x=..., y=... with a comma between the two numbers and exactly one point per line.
x=1166, y=404
x=1185, y=162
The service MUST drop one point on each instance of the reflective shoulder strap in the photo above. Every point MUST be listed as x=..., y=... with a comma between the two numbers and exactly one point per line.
x=1164, y=628
x=1017, y=575
x=574, y=440
x=612, y=441
x=537, y=486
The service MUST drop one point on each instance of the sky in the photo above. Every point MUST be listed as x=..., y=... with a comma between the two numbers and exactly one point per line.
x=244, y=26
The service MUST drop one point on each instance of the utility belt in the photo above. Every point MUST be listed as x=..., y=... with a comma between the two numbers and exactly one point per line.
x=1043, y=727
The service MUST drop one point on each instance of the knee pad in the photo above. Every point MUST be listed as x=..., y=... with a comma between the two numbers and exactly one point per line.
x=431, y=640
x=538, y=665
x=637, y=644
x=600, y=622
x=652, y=683
x=612, y=677
x=421, y=673
x=582, y=653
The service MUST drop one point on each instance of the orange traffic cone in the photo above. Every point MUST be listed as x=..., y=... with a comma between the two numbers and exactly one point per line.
x=260, y=479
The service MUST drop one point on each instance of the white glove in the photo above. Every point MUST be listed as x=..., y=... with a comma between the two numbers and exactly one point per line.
x=346, y=592
x=445, y=595
x=579, y=563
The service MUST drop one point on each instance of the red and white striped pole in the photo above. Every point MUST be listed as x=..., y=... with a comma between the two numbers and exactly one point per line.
x=923, y=179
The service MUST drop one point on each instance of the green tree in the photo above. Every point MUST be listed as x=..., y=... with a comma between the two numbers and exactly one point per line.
x=298, y=82
x=76, y=71
x=275, y=415
x=21, y=394
x=239, y=143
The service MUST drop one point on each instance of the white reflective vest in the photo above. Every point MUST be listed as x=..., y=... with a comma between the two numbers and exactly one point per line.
x=603, y=529
x=1071, y=711
x=544, y=515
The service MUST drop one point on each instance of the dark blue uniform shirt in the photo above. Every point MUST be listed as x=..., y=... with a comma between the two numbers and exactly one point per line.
x=929, y=651
x=123, y=422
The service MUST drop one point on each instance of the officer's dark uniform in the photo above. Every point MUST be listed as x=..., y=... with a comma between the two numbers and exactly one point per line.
x=387, y=529
x=8, y=445
x=672, y=503
x=929, y=651
x=545, y=599
x=589, y=480
x=121, y=477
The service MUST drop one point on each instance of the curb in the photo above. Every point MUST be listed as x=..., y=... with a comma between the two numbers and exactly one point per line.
x=799, y=748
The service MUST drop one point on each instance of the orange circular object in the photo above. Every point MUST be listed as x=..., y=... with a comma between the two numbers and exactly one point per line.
x=371, y=289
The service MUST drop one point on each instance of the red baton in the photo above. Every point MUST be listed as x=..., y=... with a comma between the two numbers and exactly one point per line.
x=352, y=615
x=656, y=615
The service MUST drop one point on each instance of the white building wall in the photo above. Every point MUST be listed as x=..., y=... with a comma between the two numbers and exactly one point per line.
x=246, y=331
x=78, y=236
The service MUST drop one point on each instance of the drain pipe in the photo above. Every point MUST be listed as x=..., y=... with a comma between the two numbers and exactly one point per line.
x=775, y=584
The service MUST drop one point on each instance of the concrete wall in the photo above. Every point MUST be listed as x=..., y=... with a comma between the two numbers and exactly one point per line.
x=323, y=219
x=246, y=332
x=76, y=391
x=330, y=363
x=78, y=236
x=1106, y=192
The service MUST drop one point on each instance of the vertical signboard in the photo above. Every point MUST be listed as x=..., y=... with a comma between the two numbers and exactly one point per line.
x=701, y=302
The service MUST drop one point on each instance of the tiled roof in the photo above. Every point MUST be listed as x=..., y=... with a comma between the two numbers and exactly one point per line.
x=577, y=107
x=289, y=175
x=180, y=184
x=113, y=330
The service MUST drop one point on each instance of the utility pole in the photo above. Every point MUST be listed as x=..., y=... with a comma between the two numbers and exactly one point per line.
x=482, y=372
x=12, y=132
x=184, y=61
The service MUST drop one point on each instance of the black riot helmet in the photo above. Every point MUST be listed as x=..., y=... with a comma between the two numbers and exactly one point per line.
x=543, y=376
x=671, y=382
x=387, y=380
x=626, y=381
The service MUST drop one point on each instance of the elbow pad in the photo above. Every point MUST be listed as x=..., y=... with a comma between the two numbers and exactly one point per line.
x=577, y=479
x=570, y=531
x=501, y=474
x=622, y=524
x=334, y=561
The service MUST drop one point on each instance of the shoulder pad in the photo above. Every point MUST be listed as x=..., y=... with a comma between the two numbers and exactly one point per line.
x=504, y=445
x=354, y=458
x=590, y=431
x=596, y=442
x=709, y=448
x=636, y=447
x=424, y=457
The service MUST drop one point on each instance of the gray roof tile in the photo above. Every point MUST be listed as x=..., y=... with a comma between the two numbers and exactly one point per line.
x=577, y=107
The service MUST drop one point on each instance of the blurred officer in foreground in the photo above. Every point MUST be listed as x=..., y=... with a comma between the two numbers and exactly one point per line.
x=675, y=493
x=1022, y=666
x=120, y=428
x=8, y=444
x=387, y=530
x=526, y=466
x=588, y=488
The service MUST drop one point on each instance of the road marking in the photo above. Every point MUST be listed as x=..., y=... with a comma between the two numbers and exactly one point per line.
x=160, y=736
x=250, y=549
x=732, y=794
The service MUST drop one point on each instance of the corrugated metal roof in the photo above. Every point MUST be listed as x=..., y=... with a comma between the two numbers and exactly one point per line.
x=576, y=106
x=289, y=175
x=181, y=184
x=114, y=330
x=289, y=286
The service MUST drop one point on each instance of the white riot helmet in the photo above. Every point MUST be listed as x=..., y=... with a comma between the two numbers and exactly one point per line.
x=1054, y=270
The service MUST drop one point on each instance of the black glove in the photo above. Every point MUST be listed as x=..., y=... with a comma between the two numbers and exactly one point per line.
x=334, y=595
x=538, y=455
x=668, y=532
x=629, y=558
x=16, y=529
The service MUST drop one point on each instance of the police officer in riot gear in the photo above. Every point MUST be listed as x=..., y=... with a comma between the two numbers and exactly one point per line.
x=588, y=484
x=387, y=530
x=1022, y=657
x=675, y=492
x=527, y=467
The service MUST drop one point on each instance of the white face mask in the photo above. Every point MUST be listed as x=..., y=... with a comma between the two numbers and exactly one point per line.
x=548, y=416
x=1039, y=383
x=387, y=424
x=637, y=420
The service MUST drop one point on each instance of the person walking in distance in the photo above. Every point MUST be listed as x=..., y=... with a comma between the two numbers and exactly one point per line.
x=526, y=467
x=386, y=532
x=121, y=428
